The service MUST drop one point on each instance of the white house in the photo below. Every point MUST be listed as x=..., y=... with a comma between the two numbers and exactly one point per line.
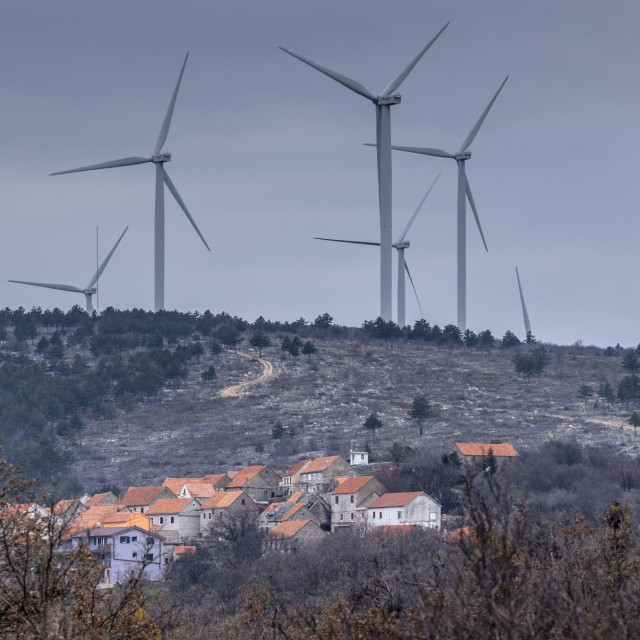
x=411, y=508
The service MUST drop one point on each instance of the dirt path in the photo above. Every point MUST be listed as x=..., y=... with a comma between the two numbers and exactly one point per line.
x=267, y=372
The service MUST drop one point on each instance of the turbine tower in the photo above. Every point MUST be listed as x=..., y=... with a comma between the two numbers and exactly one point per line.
x=90, y=289
x=383, y=102
x=400, y=246
x=525, y=315
x=464, y=192
x=159, y=158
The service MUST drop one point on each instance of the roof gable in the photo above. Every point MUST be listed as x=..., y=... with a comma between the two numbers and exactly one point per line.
x=395, y=499
x=352, y=484
x=286, y=529
x=244, y=475
x=296, y=496
x=176, y=484
x=297, y=467
x=504, y=450
x=140, y=496
x=320, y=464
x=222, y=499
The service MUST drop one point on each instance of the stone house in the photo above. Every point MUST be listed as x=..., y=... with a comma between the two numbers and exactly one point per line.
x=199, y=491
x=260, y=482
x=317, y=475
x=101, y=498
x=290, y=482
x=219, y=481
x=65, y=511
x=175, y=484
x=176, y=514
x=350, y=499
x=317, y=506
x=472, y=452
x=278, y=512
x=141, y=498
x=124, y=551
x=288, y=536
x=225, y=509
x=408, y=508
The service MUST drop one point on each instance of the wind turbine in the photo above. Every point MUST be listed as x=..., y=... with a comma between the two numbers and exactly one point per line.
x=464, y=192
x=383, y=102
x=90, y=289
x=400, y=246
x=159, y=158
x=525, y=315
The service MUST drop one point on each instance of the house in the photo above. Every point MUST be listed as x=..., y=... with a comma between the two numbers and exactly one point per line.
x=124, y=551
x=317, y=474
x=218, y=480
x=358, y=457
x=93, y=516
x=141, y=498
x=176, y=484
x=409, y=508
x=478, y=452
x=290, y=481
x=260, y=482
x=226, y=509
x=101, y=498
x=317, y=506
x=278, y=512
x=199, y=491
x=288, y=536
x=127, y=519
x=65, y=511
x=176, y=514
x=350, y=499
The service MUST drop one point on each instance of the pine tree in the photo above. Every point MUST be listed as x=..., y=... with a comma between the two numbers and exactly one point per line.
x=420, y=411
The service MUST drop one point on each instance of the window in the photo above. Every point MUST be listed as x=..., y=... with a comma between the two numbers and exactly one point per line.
x=341, y=516
x=374, y=515
x=134, y=538
x=124, y=540
x=166, y=560
x=242, y=501
x=149, y=557
x=361, y=456
x=209, y=516
x=134, y=554
x=380, y=514
x=161, y=519
x=352, y=516
x=399, y=515
x=337, y=499
x=433, y=516
x=172, y=519
x=204, y=515
x=150, y=542
x=353, y=499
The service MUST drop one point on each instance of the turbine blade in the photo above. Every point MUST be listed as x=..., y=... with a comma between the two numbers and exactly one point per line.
x=476, y=127
x=338, y=77
x=425, y=151
x=475, y=213
x=415, y=213
x=164, y=131
x=525, y=315
x=121, y=162
x=101, y=268
x=373, y=244
x=406, y=268
x=395, y=84
x=183, y=206
x=46, y=285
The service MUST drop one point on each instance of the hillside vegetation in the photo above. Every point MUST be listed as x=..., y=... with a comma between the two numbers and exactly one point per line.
x=122, y=398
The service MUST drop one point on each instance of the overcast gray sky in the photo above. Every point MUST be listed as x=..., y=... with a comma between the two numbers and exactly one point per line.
x=267, y=153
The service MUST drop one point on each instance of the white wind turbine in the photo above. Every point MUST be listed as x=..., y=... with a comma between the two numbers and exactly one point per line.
x=383, y=102
x=162, y=178
x=400, y=246
x=525, y=315
x=464, y=192
x=90, y=289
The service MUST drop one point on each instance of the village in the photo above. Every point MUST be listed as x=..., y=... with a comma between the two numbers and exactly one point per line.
x=147, y=528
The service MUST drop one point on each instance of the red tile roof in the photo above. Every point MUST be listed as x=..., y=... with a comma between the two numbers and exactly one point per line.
x=140, y=496
x=244, y=475
x=503, y=450
x=351, y=485
x=214, y=478
x=176, y=484
x=293, y=511
x=274, y=506
x=97, y=499
x=286, y=529
x=181, y=549
x=395, y=499
x=296, y=496
x=200, y=489
x=221, y=499
x=168, y=505
x=296, y=467
x=320, y=464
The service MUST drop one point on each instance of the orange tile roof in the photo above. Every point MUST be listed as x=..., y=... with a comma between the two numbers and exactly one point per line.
x=351, y=485
x=286, y=529
x=293, y=511
x=395, y=500
x=221, y=499
x=123, y=516
x=139, y=496
x=168, y=505
x=181, y=549
x=296, y=496
x=214, y=478
x=176, y=484
x=274, y=506
x=62, y=506
x=503, y=450
x=296, y=467
x=232, y=474
x=97, y=499
x=244, y=475
x=320, y=464
x=200, y=489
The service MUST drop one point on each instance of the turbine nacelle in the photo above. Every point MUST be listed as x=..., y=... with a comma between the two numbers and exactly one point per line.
x=396, y=98
x=161, y=157
x=401, y=245
x=463, y=155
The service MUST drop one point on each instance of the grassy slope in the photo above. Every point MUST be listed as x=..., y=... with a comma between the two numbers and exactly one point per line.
x=190, y=430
